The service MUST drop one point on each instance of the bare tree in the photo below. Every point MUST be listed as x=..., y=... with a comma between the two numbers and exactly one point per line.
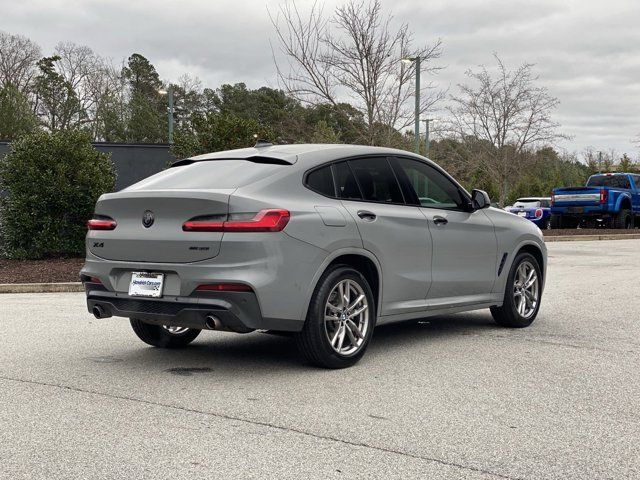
x=187, y=98
x=501, y=116
x=354, y=55
x=93, y=79
x=18, y=61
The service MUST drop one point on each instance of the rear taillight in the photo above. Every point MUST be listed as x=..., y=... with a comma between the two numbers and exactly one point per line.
x=224, y=287
x=272, y=220
x=101, y=224
x=553, y=199
x=538, y=213
x=202, y=226
x=603, y=196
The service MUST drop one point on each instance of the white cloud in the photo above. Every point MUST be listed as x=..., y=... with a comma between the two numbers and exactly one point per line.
x=585, y=51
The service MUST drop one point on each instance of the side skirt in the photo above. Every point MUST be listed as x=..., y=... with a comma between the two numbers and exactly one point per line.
x=438, y=310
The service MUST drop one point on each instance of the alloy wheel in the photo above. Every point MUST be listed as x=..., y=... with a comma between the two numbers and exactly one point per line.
x=526, y=289
x=346, y=317
x=175, y=330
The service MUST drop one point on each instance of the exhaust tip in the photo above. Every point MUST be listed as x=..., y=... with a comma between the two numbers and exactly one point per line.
x=98, y=311
x=212, y=322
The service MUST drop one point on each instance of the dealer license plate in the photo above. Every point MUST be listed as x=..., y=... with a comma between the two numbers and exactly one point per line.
x=144, y=284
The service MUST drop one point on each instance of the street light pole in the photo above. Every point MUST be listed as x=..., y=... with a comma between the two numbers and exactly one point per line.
x=426, y=136
x=169, y=93
x=417, y=127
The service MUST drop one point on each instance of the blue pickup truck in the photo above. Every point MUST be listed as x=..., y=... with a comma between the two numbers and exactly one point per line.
x=609, y=199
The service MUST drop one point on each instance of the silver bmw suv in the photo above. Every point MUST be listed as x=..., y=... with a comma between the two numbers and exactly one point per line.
x=322, y=241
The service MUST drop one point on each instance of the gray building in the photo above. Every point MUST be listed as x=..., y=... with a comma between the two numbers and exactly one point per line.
x=133, y=161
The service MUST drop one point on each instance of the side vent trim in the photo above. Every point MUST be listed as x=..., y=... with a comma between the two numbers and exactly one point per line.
x=502, y=262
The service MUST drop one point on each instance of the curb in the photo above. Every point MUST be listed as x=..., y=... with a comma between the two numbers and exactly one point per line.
x=41, y=287
x=591, y=238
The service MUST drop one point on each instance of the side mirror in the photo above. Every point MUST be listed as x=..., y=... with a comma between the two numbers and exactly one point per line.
x=480, y=199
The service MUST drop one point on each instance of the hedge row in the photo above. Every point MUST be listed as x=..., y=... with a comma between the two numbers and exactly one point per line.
x=50, y=183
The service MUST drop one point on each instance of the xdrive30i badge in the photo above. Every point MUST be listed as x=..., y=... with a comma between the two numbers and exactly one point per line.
x=148, y=218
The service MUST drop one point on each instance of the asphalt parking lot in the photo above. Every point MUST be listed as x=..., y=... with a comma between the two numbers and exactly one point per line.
x=447, y=397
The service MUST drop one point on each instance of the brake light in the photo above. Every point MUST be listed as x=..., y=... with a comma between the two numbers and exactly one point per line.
x=101, y=224
x=553, y=199
x=538, y=213
x=603, y=196
x=271, y=220
x=224, y=287
x=202, y=226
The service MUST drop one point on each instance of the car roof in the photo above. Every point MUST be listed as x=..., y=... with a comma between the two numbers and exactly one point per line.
x=307, y=154
x=611, y=174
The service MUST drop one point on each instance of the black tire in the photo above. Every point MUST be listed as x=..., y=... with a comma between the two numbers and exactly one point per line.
x=158, y=336
x=507, y=315
x=623, y=220
x=313, y=342
x=547, y=224
x=556, y=222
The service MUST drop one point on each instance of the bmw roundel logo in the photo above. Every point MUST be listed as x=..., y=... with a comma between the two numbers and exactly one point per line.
x=148, y=218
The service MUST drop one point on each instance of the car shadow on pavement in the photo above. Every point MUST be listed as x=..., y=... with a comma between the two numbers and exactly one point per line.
x=267, y=353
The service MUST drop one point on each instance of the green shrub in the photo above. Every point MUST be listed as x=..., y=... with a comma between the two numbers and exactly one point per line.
x=51, y=182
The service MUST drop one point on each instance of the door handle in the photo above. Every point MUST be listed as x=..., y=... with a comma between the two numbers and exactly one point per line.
x=438, y=220
x=367, y=215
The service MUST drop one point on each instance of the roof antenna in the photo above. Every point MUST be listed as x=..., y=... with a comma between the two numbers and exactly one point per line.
x=262, y=143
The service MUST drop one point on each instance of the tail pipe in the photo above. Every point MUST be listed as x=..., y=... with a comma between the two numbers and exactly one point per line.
x=213, y=323
x=98, y=311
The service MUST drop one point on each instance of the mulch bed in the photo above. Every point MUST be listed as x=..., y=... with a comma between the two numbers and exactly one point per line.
x=586, y=231
x=40, y=271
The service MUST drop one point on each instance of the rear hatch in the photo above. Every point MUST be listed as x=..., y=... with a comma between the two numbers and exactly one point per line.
x=527, y=208
x=529, y=213
x=163, y=241
x=195, y=189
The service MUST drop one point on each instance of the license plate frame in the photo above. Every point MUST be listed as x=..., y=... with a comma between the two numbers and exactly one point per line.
x=146, y=284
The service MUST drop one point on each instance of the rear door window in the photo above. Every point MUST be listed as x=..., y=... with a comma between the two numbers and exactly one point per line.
x=346, y=184
x=376, y=180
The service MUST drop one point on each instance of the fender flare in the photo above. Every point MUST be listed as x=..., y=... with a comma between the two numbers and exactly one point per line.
x=621, y=198
x=330, y=258
x=500, y=281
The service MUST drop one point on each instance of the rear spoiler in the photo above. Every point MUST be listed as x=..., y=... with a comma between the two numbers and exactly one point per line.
x=254, y=159
x=261, y=153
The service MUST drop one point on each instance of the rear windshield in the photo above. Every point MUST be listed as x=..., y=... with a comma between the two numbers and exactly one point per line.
x=615, y=181
x=214, y=174
x=526, y=203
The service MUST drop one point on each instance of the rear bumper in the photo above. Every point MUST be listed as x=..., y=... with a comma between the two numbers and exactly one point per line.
x=232, y=311
x=581, y=211
x=585, y=215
